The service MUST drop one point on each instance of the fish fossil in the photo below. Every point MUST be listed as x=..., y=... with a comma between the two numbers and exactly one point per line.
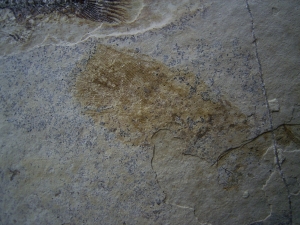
x=110, y=11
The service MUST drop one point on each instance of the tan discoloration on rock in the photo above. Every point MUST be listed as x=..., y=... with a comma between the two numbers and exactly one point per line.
x=136, y=96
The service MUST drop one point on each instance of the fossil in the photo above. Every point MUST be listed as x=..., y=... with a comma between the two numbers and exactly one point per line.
x=111, y=11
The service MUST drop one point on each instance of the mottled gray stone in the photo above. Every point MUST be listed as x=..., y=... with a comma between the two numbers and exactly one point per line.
x=278, y=35
x=226, y=154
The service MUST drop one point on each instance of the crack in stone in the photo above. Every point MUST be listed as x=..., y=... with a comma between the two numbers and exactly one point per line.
x=165, y=195
x=269, y=112
x=268, y=180
x=225, y=152
x=292, y=116
x=239, y=146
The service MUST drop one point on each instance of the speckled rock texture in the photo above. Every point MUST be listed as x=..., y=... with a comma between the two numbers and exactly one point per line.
x=186, y=113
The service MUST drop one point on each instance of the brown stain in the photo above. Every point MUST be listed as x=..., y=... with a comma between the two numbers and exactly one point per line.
x=136, y=96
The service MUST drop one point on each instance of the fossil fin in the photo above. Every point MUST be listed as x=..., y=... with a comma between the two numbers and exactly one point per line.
x=110, y=11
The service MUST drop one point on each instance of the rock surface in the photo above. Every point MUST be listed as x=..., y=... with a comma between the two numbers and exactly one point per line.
x=186, y=113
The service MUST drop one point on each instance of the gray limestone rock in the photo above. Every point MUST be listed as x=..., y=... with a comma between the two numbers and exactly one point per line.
x=188, y=112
